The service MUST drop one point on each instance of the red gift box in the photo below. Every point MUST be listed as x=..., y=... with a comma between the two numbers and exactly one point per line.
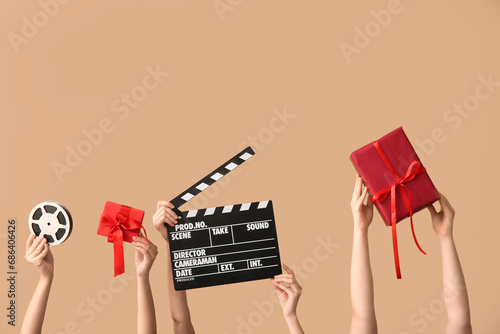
x=397, y=181
x=120, y=223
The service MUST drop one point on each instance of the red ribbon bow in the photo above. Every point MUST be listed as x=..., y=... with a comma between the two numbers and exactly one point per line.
x=115, y=229
x=414, y=169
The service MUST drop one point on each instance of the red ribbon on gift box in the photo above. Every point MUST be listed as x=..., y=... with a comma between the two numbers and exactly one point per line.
x=414, y=169
x=115, y=229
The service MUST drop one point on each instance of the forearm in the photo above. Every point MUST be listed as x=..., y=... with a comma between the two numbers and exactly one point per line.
x=293, y=324
x=33, y=319
x=179, y=309
x=362, y=296
x=455, y=290
x=146, y=317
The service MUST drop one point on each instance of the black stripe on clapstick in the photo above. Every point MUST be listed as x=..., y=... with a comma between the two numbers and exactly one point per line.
x=213, y=177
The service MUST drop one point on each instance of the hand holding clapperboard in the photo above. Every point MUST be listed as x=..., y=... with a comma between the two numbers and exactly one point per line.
x=226, y=244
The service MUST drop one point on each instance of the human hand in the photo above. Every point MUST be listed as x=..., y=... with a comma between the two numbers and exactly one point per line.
x=361, y=213
x=145, y=254
x=39, y=255
x=442, y=221
x=164, y=214
x=289, y=291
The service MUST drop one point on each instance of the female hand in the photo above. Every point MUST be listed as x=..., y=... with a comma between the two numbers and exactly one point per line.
x=39, y=255
x=145, y=254
x=442, y=221
x=361, y=213
x=164, y=214
x=289, y=291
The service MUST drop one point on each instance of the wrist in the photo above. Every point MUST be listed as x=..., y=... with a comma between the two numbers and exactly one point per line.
x=360, y=229
x=446, y=238
x=143, y=277
x=47, y=278
x=291, y=319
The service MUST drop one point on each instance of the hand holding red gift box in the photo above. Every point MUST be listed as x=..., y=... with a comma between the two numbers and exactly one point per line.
x=120, y=223
x=397, y=181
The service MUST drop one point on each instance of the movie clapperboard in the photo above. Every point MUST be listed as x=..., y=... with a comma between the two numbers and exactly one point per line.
x=226, y=244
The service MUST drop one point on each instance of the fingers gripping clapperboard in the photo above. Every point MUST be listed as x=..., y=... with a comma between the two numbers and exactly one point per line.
x=226, y=244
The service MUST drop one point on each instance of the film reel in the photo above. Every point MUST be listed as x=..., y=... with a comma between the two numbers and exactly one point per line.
x=52, y=220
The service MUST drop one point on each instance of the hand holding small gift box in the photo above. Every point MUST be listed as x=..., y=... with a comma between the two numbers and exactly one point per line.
x=397, y=181
x=120, y=223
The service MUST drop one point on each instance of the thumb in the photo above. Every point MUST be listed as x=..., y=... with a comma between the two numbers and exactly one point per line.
x=432, y=210
x=370, y=204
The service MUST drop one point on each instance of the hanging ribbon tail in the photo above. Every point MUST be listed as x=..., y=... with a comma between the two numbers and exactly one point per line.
x=407, y=201
x=394, y=232
x=118, y=251
x=415, y=237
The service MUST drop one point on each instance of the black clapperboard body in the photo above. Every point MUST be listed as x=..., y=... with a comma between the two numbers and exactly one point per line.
x=226, y=244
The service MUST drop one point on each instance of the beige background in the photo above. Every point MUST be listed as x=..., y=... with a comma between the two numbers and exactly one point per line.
x=226, y=76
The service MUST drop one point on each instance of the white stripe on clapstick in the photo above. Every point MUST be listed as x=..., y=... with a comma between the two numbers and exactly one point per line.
x=202, y=186
x=262, y=205
x=191, y=213
x=245, y=207
x=231, y=166
x=209, y=211
x=245, y=156
x=227, y=208
x=187, y=196
x=216, y=176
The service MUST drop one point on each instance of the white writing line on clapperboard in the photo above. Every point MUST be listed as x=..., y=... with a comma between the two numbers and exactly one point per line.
x=242, y=242
x=208, y=228
x=230, y=271
x=243, y=251
x=221, y=263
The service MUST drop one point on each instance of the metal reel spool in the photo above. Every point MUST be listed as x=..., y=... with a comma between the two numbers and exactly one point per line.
x=52, y=220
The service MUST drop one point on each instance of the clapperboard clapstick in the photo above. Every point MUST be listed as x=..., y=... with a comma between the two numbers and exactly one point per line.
x=226, y=244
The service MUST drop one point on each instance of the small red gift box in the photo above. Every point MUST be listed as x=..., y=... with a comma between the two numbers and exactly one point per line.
x=397, y=181
x=120, y=223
